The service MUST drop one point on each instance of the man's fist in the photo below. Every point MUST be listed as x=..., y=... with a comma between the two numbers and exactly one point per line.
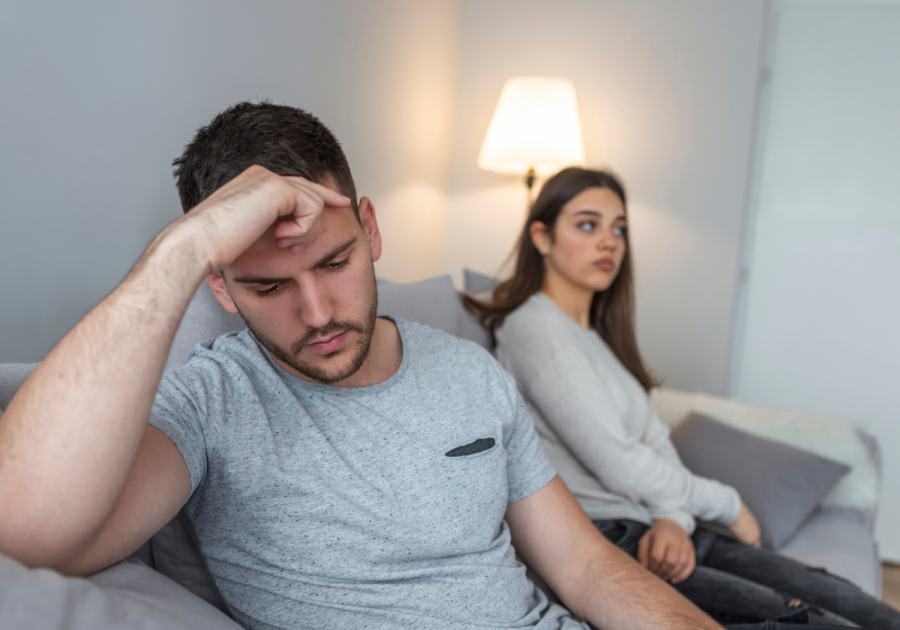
x=667, y=550
x=230, y=220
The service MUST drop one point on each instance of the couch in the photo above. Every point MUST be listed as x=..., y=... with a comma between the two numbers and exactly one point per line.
x=165, y=584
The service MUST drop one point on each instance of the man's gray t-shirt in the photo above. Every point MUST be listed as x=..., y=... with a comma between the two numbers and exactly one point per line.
x=327, y=507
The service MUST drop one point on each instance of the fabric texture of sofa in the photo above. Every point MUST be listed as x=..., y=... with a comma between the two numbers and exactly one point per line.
x=166, y=583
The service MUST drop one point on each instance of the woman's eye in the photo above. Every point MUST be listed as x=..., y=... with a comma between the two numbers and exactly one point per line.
x=620, y=231
x=270, y=291
x=586, y=226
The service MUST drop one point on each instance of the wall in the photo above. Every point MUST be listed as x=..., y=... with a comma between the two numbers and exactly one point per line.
x=667, y=93
x=99, y=97
x=820, y=310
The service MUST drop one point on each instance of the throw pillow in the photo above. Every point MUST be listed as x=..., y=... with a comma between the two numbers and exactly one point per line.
x=780, y=484
x=834, y=438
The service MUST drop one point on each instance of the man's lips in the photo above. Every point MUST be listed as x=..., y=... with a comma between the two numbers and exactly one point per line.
x=329, y=345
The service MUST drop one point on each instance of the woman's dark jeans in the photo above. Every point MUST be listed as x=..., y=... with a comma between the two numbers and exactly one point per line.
x=736, y=583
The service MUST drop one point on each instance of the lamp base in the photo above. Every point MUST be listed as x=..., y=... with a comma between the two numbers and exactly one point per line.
x=530, y=176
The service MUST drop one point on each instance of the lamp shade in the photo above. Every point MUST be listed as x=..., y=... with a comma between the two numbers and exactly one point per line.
x=535, y=125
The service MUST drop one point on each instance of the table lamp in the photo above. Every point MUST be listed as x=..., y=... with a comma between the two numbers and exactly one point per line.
x=535, y=129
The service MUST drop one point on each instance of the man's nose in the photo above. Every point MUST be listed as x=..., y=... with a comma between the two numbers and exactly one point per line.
x=314, y=306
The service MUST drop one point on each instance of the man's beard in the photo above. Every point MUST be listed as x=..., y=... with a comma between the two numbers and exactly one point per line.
x=365, y=330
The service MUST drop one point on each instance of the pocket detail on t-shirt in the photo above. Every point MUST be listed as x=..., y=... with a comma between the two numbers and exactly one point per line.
x=478, y=446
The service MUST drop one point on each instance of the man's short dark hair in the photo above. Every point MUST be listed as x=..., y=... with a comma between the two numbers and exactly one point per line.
x=286, y=140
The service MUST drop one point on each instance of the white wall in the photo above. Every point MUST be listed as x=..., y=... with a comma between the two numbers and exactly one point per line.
x=100, y=96
x=821, y=307
x=667, y=93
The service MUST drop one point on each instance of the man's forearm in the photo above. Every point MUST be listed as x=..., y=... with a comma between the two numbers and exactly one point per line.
x=617, y=593
x=69, y=437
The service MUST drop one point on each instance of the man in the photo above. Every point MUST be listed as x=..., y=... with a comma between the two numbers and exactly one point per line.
x=340, y=470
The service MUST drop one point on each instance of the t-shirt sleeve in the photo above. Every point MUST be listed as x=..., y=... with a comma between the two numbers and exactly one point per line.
x=527, y=468
x=178, y=411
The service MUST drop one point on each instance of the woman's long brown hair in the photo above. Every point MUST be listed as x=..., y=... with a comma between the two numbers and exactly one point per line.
x=612, y=310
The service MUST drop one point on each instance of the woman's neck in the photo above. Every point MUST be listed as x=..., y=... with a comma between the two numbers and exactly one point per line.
x=573, y=300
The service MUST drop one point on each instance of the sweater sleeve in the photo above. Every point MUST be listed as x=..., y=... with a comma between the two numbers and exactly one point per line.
x=566, y=388
x=710, y=500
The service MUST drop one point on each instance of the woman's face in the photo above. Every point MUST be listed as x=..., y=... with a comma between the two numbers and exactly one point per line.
x=588, y=243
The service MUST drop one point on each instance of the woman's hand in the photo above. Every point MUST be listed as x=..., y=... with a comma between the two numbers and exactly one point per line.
x=745, y=529
x=667, y=550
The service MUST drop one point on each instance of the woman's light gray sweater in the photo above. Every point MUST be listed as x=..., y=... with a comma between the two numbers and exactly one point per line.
x=598, y=427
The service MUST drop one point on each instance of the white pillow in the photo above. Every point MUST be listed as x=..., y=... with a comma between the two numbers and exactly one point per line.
x=828, y=437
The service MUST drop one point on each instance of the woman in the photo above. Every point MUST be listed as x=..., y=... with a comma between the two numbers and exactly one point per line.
x=564, y=327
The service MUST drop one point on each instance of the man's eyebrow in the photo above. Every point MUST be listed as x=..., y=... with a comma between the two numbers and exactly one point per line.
x=322, y=261
x=257, y=280
x=340, y=249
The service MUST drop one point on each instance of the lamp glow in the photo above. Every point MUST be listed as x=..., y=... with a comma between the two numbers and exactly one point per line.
x=535, y=126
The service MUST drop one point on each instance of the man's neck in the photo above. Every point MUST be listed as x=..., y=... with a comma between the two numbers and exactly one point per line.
x=384, y=358
x=382, y=361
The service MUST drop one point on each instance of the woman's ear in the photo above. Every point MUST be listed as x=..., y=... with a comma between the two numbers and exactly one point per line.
x=540, y=237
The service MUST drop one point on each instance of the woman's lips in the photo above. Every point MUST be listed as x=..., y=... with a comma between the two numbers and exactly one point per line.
x=327, y=346
x=606, y=264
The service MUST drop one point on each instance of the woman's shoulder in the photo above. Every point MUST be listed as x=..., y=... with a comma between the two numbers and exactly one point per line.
x=536, y=327
x=537, y=310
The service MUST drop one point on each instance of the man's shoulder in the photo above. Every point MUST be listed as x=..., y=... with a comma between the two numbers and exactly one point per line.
x=450, y=362
x=433, y=343
x=224, y=357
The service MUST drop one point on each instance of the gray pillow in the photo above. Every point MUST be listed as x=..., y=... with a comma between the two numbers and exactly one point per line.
x=474, y=282
x=127, y=596
x=780, y=484
x=204, y=319
x=175, y=554
x=433, y=302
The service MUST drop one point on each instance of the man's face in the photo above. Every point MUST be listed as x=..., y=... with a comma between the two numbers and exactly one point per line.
x=314, y=310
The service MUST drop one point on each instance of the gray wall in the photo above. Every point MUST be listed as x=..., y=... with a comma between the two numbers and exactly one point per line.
x=820, y=305
x=99, y=97
x=666, y=92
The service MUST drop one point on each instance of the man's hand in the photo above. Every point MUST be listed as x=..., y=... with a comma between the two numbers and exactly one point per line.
x=241, y=211
x=746, y=528
x=667, y=550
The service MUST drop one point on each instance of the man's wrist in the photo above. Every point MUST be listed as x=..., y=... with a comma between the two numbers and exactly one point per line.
x=176, y=261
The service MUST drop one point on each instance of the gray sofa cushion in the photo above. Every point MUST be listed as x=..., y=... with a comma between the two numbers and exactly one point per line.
x=474, y=282
x=840, y=540
x=433, y=302
x=175, y=554
x=127, y=596
x=204, y=319
x=780, y=484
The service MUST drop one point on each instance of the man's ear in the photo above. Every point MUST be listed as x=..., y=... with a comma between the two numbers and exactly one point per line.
x=370, y=225
x=216, y=282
